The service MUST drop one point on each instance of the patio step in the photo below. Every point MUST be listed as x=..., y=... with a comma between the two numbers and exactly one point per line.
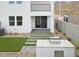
x=30, y=42
x=40, y=30
x=36, y=38
x=41, y=35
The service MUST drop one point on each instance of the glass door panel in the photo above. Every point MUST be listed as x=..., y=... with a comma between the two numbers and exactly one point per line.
x=37, y=22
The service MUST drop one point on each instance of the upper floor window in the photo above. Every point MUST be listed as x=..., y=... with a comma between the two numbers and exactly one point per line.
x=11, y=2
x=18, y=2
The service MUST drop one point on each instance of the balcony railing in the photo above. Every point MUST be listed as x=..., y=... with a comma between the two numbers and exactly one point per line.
x=40, y=6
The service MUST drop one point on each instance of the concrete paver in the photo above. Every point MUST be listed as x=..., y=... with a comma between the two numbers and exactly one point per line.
x=30, y=42
x=8, y=54
x=30, y=49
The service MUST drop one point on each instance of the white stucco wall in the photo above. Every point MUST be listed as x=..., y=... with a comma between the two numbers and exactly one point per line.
x=46, y=48
x=33, y=22
x=49, y=14
x=52, y=17
x=48, y=22
x=23, y=10
x=39, y=13
x=49, y=51
x=43, y=52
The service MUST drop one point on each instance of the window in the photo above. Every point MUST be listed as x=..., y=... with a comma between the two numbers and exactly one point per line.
x=19, y=20
x=58, y=53
x=18, y=2
x=11, y=20
x=11, y=2
x=66, y=19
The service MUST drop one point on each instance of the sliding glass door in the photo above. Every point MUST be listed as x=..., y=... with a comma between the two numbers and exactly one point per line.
x=41, y=21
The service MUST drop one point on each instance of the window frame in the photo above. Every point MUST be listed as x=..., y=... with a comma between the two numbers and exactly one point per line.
x=20, y=20
x=18, y=2
x=12, y=21
x=11, y=2
x=66, y=19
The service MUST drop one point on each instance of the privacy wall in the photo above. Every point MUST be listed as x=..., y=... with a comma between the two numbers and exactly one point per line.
x=71, y=30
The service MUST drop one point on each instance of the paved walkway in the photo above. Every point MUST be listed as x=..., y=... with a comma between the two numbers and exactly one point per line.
x=28, y=51
x=8, y=54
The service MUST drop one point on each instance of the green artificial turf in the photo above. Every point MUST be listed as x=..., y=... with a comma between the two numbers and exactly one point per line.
x=11, y=44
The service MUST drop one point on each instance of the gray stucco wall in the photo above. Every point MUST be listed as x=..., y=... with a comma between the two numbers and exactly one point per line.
x=72, y=30
x=49, y=51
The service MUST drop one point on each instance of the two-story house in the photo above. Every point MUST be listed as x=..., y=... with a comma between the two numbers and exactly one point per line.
x=24, y=16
